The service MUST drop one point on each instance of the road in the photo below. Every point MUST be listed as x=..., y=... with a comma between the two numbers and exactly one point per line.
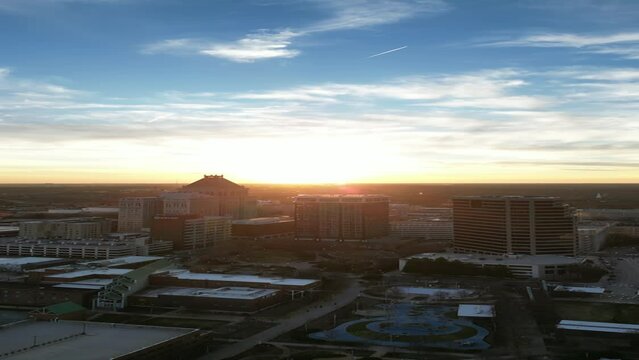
x=294, y=320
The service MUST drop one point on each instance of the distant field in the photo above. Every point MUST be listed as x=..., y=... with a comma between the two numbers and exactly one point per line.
x=606, y=312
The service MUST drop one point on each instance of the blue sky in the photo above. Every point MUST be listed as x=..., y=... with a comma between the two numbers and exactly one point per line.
x=291, y=91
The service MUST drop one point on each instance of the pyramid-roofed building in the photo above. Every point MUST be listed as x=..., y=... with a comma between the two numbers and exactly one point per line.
x=214, y=184
x=233, y=199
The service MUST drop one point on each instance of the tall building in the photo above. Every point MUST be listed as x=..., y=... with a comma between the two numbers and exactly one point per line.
x=533, y=225
x=232, y=199
x=341, y=217
x=188, y=232
x=136, y=213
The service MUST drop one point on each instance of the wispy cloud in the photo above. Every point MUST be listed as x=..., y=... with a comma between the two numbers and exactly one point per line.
x=271, y=44
x=388, y=51
x=416, y=120
x=625, y=44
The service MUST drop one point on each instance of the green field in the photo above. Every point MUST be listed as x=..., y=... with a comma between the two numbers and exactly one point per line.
x=594, y=311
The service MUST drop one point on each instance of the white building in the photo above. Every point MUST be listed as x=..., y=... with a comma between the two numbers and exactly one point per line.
x=591, y=237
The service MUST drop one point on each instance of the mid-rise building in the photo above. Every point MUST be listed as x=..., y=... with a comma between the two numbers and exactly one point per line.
x=190, y=203
x=341, y=217
x=264, y=228
x=435, y=230
x=68, y=229
x=187, y=232
x=591, y=237
x=136, y=213
x=533, y=225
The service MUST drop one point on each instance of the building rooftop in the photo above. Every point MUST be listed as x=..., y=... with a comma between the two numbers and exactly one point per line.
x=580, y=289
x=238, y=293
x=20, y=263
x=89, y=272
x=505, y=197
x=101, y=340
x=187, y=275
x=213, y=183
x=342, y=197
x=476, y=310
x=598, y=326
x=263, y=220
x=499, y=259
x=125, y=260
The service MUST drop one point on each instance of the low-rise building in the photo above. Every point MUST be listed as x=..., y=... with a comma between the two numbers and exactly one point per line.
x=67, y=229
x=184, y=278
x=224, y=298
x=521, y=266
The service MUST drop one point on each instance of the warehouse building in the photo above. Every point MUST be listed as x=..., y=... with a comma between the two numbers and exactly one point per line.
x=243, y=299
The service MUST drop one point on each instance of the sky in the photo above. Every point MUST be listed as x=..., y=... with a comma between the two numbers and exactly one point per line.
x=319, y=91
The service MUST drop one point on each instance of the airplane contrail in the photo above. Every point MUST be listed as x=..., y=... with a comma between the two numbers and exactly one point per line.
x=388, y=51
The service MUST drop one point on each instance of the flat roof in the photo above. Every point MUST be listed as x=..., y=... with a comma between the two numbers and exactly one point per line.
x=187, y=275
x=456, y=293
x=78, y=286
x=263, y=220
x=95, y=284
x=102, y=340
x=89, y=272
x=476, y=310
x=238, y=293
x=598, y=326
x=501, y=259
x=125, y=260
x=505, y=197
x=580, y=289
x=26, y=260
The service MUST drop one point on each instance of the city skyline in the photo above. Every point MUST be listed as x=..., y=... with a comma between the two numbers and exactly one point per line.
x=282, y=91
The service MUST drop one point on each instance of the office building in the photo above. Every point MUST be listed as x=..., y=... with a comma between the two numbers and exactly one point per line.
x=519, y=266
x=435, y=230
x=265, y=228
x=591, y=237
x=533, y=225
x=341, y=217
x=188, y=232
x=189, y=203
x=136, y=213
x=68, y=229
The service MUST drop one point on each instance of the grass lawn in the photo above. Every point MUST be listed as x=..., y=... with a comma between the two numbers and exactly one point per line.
x=606, y=312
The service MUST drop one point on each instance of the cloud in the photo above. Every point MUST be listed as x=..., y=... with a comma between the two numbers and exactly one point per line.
x=508, y=115
x=273, y=44
x=255, y=47
x=624, y=44
x=487, y=89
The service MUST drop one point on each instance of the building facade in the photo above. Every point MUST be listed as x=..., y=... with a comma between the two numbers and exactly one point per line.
x=187, y=232
x=136, y=213
x=532, y=225
x=232, y=199
x=190, y=203
x=69, y=229
x=341, y=217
